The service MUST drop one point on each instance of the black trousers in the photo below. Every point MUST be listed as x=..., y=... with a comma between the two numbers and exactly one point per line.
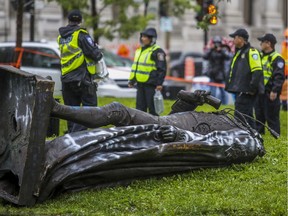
x=267, y=111
x=75, y=94
x=144, y=98
x=244, y=103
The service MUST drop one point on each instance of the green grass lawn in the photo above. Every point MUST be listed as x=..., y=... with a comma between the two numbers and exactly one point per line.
x=258, y=188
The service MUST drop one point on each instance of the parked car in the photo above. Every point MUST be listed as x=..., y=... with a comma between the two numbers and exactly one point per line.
x=174, y=55
x=116, y=85
x=37, y=58
x=43, y=59
x=177, y=66
x=114, y=60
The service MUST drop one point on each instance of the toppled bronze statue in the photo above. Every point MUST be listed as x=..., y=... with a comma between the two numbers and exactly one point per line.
x=141, y=145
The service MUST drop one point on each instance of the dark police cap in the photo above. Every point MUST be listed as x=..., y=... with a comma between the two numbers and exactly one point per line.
x=241, y=33
x=268, y=37
x=75, y=16
x=150, y=32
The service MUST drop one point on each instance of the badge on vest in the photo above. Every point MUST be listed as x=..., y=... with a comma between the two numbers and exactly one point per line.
x=280, y=64
x=255, y=56
x=90, y=41
x=243, y=56
x=160, y=56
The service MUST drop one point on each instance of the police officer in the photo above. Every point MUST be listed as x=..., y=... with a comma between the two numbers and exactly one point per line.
x=79, y=56
x=148, y=70
x=267, y=106
x=246, y=77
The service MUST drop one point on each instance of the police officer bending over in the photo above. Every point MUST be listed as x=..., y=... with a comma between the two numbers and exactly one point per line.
x=79, y=56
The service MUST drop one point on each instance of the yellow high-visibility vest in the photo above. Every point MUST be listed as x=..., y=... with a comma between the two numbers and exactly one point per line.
x=72, y=55
x=267, y=61
x=143, y=65
x=254, y=65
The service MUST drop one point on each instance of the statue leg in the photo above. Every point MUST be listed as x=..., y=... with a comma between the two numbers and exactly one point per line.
x=114, y=113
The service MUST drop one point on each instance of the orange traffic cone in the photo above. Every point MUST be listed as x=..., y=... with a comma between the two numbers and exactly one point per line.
x=189, y=72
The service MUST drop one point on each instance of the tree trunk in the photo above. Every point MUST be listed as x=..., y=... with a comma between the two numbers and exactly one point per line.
x=19, y=31
x=32, y=20
x=94, y=14
x=146, y=4
x=19, y=26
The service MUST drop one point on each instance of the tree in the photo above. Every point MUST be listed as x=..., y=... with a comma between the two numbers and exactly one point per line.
x=121, y=25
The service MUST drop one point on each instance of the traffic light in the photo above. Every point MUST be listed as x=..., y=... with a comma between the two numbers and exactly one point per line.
x=206, y=10
x=212, y=11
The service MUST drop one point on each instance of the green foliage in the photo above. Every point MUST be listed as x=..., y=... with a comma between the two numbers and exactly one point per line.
x=257, y=188
x=179, y=7
x=204, y=24
x=71, y=4
x=120, y=25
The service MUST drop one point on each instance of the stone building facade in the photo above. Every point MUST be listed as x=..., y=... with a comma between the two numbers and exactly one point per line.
x=257, y=16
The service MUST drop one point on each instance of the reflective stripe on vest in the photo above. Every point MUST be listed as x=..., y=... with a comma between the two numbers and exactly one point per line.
x=254, y=60
x=143, y=65
x=267, y=61
x=232, y=64
x=72, y=55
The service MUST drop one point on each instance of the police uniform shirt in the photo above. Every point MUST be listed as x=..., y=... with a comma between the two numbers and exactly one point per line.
x=276, y=80
x=159, y=57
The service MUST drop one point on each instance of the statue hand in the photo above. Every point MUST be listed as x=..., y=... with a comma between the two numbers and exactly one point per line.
x=169, y=133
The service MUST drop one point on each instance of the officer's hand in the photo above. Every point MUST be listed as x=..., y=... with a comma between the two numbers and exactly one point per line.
x=159, y=88
x=169, y=133
x=272, y=96
x=130, y=85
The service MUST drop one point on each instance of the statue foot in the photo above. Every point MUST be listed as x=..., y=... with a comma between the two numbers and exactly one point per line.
x=55, y=107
